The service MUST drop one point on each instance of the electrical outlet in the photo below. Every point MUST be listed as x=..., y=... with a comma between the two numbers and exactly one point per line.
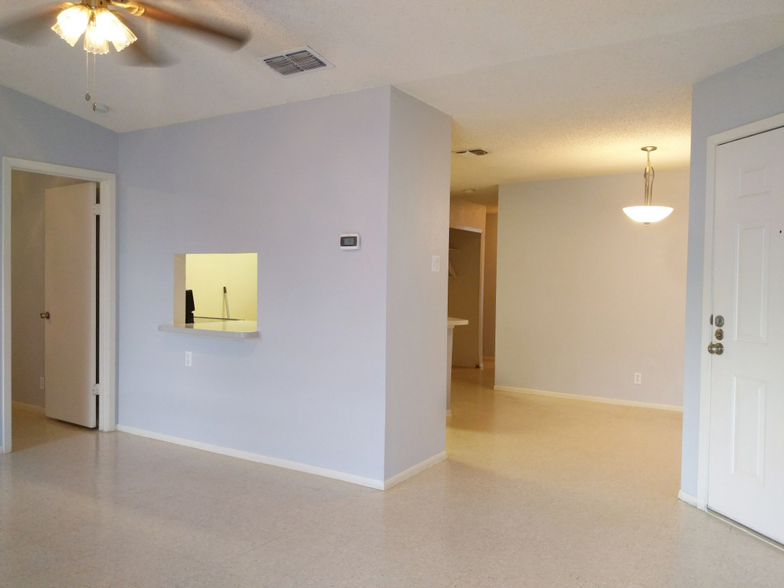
x=637, y=378
x=41, y=383
x=435, y=263
x=188, y=359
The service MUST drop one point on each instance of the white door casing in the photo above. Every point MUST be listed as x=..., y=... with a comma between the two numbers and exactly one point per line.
x=746, y=427
x=107, y=344
x=70, y=299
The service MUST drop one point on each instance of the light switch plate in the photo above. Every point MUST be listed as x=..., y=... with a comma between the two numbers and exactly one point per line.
x=188, y=359
x=435, y=263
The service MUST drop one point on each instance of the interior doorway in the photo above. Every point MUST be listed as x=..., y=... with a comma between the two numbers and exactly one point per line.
x=466, y=285
x=58, y=250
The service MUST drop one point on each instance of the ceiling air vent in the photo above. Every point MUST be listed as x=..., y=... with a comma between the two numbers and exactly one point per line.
x=296, y=61
x=471, y=152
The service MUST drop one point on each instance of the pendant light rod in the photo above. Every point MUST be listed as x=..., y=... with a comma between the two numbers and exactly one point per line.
x=649, y=176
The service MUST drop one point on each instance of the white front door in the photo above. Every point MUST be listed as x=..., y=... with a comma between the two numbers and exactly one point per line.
x=70, y=274
x=746, y=475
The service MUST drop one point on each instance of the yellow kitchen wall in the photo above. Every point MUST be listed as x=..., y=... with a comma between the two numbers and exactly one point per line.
x=207, y=274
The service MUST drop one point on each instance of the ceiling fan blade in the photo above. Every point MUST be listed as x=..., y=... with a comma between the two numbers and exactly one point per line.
x=142, y=54
x=231, y=37
x=30, y=28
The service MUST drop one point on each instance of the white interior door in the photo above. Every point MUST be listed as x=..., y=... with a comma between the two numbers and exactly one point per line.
x=746, y=476
x=70, y=299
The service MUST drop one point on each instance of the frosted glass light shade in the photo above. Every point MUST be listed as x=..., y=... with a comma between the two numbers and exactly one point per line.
x=647, y=214
x=94, y=41
x=112, y=29
x=72, y=22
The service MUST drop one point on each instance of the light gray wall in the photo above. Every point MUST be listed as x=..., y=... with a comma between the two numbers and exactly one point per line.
x=740, y=95
x=285, y=182
x=418, y=223
x=30, y=129
x=27, y=282
x=586, y=297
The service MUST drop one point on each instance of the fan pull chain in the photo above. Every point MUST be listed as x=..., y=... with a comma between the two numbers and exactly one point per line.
x=88, y=95
x=87, y=71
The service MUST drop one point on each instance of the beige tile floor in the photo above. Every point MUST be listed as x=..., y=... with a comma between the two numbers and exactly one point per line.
x=537, y=492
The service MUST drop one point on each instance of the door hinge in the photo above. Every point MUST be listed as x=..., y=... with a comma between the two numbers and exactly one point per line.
x=96, y=389
x=96, y=209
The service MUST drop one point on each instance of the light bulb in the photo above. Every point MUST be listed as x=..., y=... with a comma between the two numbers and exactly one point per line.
x=647, y=214
x=72, y=22
x=112, y=29
x=94, y=41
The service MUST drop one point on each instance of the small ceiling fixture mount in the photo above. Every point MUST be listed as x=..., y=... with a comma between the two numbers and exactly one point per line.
x=647, y=213
x=471, y=152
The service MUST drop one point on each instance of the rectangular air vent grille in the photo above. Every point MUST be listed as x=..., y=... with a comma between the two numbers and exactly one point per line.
x=297, y=61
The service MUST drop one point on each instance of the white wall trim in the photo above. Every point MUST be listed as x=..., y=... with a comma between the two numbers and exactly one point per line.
x=599, y=399
x=107, y=369
x=687, y=498
x=255, y=457
x=27, y=407
x=703, y=451
x=414, y=470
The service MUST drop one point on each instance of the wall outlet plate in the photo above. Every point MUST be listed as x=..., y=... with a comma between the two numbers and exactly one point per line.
x=188, y=359
x=637, y=378
x=435, y=263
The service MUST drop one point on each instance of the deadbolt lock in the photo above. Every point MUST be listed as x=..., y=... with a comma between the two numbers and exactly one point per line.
x=719, y=334
x=719, y=321
x=715, y=348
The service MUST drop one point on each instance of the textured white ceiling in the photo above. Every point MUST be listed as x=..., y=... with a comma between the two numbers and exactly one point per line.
x=551, y=89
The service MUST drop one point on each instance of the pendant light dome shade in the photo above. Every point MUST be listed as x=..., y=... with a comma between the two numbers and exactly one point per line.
x=647, y=213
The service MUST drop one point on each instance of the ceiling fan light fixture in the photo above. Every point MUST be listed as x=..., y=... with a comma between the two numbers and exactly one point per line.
x=98, y=25
x=72, y=23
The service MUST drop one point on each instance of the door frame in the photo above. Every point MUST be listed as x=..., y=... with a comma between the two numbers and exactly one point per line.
x=703, y=451
x=107, y=300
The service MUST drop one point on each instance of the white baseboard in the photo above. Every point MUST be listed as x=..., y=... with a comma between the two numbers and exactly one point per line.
x=247, y=455
x=412, y=471
x=27, y=407
x=687, y=498
x=599, y=399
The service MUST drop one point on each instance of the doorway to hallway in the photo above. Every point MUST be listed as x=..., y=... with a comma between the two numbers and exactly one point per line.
x=58, y=251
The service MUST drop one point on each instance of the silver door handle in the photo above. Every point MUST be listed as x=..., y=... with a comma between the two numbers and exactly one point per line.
x=715, y=348
x=44, y=315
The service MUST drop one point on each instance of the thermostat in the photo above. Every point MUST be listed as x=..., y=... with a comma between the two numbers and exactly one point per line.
x=349, y=241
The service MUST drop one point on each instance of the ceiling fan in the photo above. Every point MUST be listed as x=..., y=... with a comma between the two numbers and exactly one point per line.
x=105, y=22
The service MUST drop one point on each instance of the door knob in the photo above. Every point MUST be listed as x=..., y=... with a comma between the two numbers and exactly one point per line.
x=715, y=348
x=44, y=315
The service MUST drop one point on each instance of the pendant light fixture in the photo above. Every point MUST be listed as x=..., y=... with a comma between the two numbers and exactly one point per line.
x=647, y=213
